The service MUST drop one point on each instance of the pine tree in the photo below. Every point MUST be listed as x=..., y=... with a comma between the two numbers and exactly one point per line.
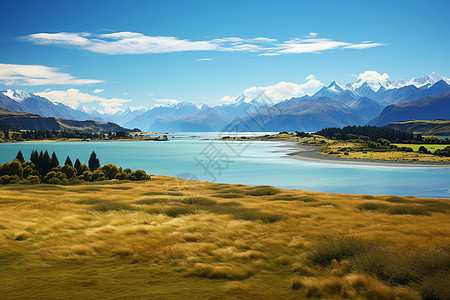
x=77, y=166
x=19, y=156
x=93, y=163
x=54, y=161
x=34, y=157
x=46, y=163
x=68, y=162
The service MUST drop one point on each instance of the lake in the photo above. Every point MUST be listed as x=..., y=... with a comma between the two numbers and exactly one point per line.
x=250, y=163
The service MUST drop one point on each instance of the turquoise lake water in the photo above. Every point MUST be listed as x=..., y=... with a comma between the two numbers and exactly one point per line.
x=250, y=163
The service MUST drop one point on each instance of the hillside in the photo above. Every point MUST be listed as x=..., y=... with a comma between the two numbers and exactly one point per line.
x=426, y=108
x=168, y=238
x=434, y=127
x=27, y=121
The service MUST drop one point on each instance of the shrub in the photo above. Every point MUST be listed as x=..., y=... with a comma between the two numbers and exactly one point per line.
x=139, y=175
x=110, y=171
x=69, y=171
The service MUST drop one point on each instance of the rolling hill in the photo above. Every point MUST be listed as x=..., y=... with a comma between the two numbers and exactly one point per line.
x=426, y=108
x=424, y=127
x=27, y=121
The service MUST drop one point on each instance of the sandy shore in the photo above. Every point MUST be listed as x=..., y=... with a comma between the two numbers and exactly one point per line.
x=311, y=153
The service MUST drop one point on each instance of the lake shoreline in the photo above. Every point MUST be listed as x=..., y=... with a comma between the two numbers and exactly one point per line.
x=311, y=154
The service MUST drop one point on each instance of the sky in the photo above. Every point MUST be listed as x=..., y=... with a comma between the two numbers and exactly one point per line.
x=118, y=54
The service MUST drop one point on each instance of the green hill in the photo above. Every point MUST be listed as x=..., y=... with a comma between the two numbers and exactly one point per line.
x=27, y=121
x=435, y=127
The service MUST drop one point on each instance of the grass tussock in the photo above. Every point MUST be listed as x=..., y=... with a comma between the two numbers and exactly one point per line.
x=150, y=201
x=420, y=207
x=220, y=272
x=228, y=195
x=107, y=206
x=262, y=191
x=200, y=201
x=425, y=270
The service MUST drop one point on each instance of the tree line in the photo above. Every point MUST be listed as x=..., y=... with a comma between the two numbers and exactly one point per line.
x=43, y=168
x=27, y=135
x=374, y=134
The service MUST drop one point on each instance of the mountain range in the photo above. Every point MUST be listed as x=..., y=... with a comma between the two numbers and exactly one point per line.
x=335, y=105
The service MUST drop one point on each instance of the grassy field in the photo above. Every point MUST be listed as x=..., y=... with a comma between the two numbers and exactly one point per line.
x=174, y=239
x=355, y=150
x=430, y=147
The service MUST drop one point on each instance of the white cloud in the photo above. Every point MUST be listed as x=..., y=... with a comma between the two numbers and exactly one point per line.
x=97, y=91
x=226, y=99
x=138, y=43
x=310, y=77
x=286, y=90
x=269, y=54
x=11, y=74
x=73, y=98
x=363, y=46
x=309, y=45
x=203, y=59
x=168, y=101
x=373, y=76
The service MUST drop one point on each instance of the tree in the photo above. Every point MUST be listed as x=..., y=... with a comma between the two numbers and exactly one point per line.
x=19, y=156
x=34, y=158
x=54, y=161
x=93, y=163
x=68, y=162
x=77, y=166
x=46, y=163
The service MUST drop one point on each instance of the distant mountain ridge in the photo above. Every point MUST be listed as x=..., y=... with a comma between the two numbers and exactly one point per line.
x=27, y=121
x=21, y=101
x=426, y=108
x=334, y=105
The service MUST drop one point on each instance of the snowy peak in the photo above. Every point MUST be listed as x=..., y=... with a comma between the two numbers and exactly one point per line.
x=16, y=95
x=427, y=80
x=336, y=87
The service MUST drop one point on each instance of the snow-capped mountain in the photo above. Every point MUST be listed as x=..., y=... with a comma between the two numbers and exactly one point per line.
x=16, y=95
x=427, y=80
x=21, y=101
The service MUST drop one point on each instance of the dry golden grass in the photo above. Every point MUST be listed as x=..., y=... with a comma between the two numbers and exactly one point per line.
x=170, y=238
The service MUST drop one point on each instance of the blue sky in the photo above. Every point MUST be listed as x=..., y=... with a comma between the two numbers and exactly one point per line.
x=203, y=51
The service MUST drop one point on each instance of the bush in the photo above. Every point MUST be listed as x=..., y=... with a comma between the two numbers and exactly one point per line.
x=110, y=171
x=139, y=175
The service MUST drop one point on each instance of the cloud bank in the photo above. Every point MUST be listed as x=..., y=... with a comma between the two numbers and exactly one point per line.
x=137, y=43
x=11, y=74
x=74, y=99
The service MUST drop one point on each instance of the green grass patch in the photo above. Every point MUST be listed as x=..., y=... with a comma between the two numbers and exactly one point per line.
x=90, y=201
x=414, y=207
x=176, y=211
x=150, y=201
x=430, y=147
x=228, y=195
x=202, y=201
x=112, y=206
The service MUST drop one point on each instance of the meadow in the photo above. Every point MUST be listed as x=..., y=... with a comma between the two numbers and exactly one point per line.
x=169, y=238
